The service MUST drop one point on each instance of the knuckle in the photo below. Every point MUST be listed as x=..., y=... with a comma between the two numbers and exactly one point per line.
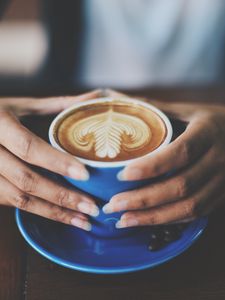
x=189, y=208
x=25, y=147
x=156, y=169
x=185, y=151
x=27, y=182
x=136, y=198
x=153, y=219
x=63, y=198
x=183, y=187
x=22, y=201
x=144, y=202
x=59, y=214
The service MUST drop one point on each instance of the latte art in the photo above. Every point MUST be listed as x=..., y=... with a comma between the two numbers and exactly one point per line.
x=110, y=131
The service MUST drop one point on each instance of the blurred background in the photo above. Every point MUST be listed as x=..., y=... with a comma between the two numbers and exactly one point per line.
x=22, y=38
x=60, y=45
x=23, y=43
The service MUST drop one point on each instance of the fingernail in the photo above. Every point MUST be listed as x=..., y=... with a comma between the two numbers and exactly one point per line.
x=88, y=208
x=120, y=176
x=81, y=224
x=79, y=174
x=126, y=223
x=107, y=209
x=110, y=207
x=132, y=174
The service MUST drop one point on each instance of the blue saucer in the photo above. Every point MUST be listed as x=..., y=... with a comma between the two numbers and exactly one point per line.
x=79, y=250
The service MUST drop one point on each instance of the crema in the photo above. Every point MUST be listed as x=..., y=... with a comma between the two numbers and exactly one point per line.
x=111, y=131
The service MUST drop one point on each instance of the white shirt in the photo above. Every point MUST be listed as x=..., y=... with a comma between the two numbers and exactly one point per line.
x=134, y=43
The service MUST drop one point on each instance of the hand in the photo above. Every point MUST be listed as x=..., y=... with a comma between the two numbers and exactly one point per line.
x=197, y=161
x=22, y=187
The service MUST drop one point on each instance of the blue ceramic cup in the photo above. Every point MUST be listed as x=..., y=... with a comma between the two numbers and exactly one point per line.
x=103, y=182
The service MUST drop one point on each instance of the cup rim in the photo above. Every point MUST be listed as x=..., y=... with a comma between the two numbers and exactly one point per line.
x=113, y=164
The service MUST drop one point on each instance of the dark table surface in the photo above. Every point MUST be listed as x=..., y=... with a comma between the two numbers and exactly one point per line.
x=198, y=273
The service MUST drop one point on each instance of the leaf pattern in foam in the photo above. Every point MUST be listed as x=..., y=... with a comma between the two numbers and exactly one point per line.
x=106, y=132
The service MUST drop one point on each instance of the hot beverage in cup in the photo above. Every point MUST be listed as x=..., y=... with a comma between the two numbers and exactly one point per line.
x=112, y=131
x=106, y=134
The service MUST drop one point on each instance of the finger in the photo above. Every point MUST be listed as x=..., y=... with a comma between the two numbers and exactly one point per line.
x=184, y=111
x=4, y=202
x=168, y=190
x=113, y=93
x=182, y=221
x=205, y=207
x=42, y=208
x=34, y=184
x=188, y=147
x=32, y=149
x=48, y=105
x=188, y=208
x=178, y=110
x=56, y=104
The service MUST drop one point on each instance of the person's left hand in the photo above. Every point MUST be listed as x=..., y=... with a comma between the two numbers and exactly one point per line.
x=197, y=161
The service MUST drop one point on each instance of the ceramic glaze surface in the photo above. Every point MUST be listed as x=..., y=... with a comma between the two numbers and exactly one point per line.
x=79, y=250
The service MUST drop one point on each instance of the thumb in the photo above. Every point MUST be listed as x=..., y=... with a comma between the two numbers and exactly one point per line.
x=48, y=105
x=182, y=111
x=177, y=110
x=114, y=93
x=53, y=105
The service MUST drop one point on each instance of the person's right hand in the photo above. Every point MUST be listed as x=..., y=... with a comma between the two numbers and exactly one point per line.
x=20, y=185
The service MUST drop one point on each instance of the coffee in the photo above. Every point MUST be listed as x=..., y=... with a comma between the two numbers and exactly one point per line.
x=110, y=131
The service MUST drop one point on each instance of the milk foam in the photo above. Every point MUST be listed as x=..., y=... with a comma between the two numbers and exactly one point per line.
x=109, y=132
